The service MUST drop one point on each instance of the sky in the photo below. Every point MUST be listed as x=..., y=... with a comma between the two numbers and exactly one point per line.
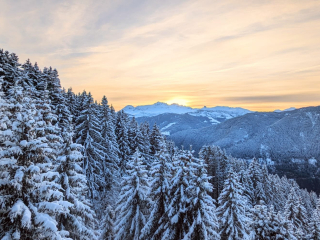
x=257, y=54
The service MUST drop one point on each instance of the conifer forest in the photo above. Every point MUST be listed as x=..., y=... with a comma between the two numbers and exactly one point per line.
x=72, y=167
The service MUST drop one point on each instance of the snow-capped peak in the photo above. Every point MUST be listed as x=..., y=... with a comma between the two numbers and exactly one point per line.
x=156, y=109
x=160, y=108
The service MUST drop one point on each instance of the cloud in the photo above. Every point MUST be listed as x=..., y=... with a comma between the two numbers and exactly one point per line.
x=291, y=98
x=147, y=51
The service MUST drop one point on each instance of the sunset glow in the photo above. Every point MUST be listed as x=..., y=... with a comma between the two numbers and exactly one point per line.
x=179, y=101
x=261, y=55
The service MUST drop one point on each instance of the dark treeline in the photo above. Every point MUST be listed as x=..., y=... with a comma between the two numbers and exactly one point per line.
x=72, y=168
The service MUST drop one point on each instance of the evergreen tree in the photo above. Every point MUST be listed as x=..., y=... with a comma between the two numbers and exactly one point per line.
x=296, y=213
x=9, y=69
x=159, y=193
x=122, y=139
x=89, y=135
x=111, y=160
x=202, y=209
x=108, y=224
x=30, y=196
x=175, y=222
x=145, y=132
x=261, y=224
x=156, y=140
x=133, y=200
x=231, y=210
x=257, y=191
x=79, y=220
x=217, y=165
x=314, y=226
x=280, y=227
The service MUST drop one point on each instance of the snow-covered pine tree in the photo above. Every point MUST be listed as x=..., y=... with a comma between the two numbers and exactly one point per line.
x=160, y=173
x=261, y=224
x=175, y=222
x=257, y=191
x=70, y=100
x=202, y=209
x=133, y=200
x=217, y=166
x=122, y=139
x=314, y=226
x=145, y=132
x=64, y=116
x=156, y=139
x=111, y=160
x=107, y=226
x=297, y=214
x=9, y=69
x=280, y=227
x=231, y=211
x=30, y=196
x=79, y=221
x=171, y=147
x=135, y=137
x=88, y=131
x=54, y=87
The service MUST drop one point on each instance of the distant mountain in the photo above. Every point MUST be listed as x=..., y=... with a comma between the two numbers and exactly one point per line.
x=174, y=118
x=285, y=110
x=277, y=135
x=161, y=108
x=156, y=109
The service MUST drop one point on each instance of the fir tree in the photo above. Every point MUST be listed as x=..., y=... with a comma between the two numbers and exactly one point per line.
x=133, y=201
x=31, y=198
x=202, y=209
x=156, y=140
x=159, y=193
x=79, y=220
x=108, y=225
x=122, y=139
x=231, y=210
x=175, y=222
x=89, y=135
x=111, y=160
x=296, y=213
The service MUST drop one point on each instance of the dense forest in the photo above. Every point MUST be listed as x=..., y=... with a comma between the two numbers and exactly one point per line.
x=74, y=168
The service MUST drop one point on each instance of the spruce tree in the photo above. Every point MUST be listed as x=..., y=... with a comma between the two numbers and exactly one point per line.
x=122, y=139
x=297, y=214
x=175, y=222
x=31, y=197
x=231, y=211
x=108, y=224
x=160, y=173
x=133, y=201
x=109, y=142
x=88, y=130
x=156, y=140
x=202, y=209
x=145, y=132
x=79, y=221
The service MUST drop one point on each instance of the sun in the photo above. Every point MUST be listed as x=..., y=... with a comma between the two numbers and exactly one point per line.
x=179, y=101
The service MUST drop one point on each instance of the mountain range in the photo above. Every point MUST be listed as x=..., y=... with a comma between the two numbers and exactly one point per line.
x=288, y=139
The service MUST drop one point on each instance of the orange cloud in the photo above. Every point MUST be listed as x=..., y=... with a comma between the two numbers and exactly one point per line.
x=209, y=53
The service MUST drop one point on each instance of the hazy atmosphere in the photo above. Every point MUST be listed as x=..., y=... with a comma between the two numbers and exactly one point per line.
x=260, y=55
